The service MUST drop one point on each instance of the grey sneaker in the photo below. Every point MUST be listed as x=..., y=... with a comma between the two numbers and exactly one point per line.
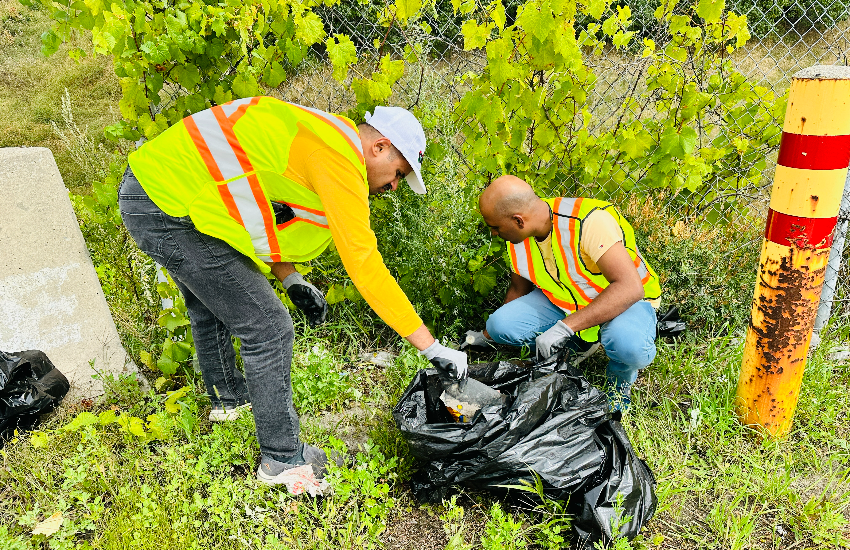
x=271, y=470
x=226, y=414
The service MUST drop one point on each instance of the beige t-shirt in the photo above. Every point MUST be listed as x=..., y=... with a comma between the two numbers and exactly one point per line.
x=600, y=232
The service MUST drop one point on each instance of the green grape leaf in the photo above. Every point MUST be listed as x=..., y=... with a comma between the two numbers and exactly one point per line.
x=171, y=320
x=689, y=139
x=351, y=293
x=83, y=419
x=463, y=6
x=485, y=280
x=50, y=43
x=392, y=70
x=405, y=9
x=39, y=440
x=171, y=402
x=309, y=28
x=711, y=10
x=156, y=429
x=342, y=54
x=497, y=14
x=166, y=365
x=274, y=74
x=538, y=22
x=107, y=417
x=335, y=295
x=245, y=85
x=155, y=53
x=595, y=8
x=678, y=144
x=474, y=35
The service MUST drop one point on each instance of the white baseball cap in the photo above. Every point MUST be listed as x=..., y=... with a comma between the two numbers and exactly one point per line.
x=406, y=134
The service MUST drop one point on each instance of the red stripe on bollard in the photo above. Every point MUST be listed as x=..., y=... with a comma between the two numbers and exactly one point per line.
x=814, y=152
x=799, y=232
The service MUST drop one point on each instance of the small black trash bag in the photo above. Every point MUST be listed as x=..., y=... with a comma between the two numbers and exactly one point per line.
x=29, y=386
x=553, y=422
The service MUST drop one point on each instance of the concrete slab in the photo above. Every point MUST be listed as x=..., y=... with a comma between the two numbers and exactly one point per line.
x=50, y=297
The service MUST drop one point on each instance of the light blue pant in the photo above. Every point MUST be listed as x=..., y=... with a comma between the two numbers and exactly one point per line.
x=628, y=339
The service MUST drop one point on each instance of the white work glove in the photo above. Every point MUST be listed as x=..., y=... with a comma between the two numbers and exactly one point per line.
x=551, y=341
x=307, y=298
x=452, y=361
x=476, y=340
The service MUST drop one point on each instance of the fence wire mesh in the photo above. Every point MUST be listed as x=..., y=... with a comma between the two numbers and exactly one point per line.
x=787, y=36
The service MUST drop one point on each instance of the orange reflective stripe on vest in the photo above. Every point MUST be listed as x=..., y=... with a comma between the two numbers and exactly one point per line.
x=641, y=266
x=524, y=267
x=212, y=133
x=305, y=214
x=566, y=225
x=521, y=258
x=348, y=132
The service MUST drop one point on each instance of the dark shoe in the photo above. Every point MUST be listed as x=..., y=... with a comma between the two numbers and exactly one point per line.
x=620, y=398
x=271, y=471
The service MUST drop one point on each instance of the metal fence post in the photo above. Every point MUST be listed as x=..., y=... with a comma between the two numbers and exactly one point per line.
x=834, y=265
x=814, y=154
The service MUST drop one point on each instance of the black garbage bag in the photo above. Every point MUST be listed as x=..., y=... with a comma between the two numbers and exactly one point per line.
x=29, y=386
x=670, y=324
x=553, y=423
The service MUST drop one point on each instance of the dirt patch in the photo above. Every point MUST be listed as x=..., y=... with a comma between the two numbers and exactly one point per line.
x=350, y=425
x=415, y=527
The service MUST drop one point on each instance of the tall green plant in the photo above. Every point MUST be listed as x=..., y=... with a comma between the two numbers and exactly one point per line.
x=687, y=120
x=177, y=58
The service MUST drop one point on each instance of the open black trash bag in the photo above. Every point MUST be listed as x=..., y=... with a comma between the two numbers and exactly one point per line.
x=29, y=386
x=554, y=423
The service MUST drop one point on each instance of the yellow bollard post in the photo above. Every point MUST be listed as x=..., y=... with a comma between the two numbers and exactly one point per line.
x=814, y=154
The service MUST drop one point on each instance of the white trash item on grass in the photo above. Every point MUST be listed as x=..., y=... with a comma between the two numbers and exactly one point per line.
x=379, y=358
x=301, y=479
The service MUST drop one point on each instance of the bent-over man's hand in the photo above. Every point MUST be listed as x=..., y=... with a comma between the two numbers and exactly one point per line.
x=475, y=339
x=449, y=360
x=553, y=340
x=307, y=297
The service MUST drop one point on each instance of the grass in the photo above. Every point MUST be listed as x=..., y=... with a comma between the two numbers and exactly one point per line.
x=720, y=485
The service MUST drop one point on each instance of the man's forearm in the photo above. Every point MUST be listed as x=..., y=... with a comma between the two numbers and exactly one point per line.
x=281, y=270
x=421, y=338
x=612, y=301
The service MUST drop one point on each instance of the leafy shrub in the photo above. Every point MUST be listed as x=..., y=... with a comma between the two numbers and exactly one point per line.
x=364, y=21
x=318, y=383
x=697, y=122
x=707, y=270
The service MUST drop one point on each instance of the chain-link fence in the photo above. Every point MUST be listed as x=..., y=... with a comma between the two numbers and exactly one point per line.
x=788, y=35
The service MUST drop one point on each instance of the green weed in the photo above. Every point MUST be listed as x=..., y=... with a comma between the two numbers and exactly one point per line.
x=319, y=383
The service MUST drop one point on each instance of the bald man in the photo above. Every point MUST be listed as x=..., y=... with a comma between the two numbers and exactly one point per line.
x=577, y=279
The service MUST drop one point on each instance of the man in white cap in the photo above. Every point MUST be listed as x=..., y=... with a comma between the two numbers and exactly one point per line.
x=246, y=188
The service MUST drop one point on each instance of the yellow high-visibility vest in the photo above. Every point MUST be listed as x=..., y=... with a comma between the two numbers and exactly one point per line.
x=225, y=168
x=576, y=285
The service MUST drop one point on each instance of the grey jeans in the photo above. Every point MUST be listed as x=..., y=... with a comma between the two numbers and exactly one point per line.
x=226, y=295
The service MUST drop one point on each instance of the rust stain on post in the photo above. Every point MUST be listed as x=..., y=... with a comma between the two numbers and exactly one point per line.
x=789, y=284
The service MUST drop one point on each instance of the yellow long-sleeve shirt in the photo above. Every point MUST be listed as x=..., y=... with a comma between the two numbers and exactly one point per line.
x=345, y=198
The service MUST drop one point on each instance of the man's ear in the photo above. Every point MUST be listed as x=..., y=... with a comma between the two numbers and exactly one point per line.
x=518, y=220
x=380, y=145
